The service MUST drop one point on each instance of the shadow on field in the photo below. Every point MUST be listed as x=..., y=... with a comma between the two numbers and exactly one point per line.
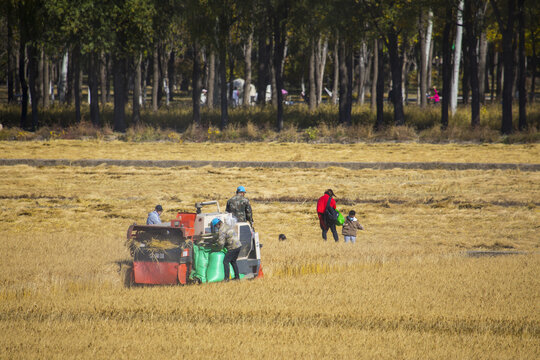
x=492, y=253
x=435, y=203
x=125, y=270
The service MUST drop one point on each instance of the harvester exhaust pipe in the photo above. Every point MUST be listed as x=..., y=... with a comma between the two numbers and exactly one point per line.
x=199, y=205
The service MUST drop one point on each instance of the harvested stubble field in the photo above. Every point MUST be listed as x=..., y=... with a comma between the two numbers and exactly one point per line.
x=361, y=152
x=406, y=289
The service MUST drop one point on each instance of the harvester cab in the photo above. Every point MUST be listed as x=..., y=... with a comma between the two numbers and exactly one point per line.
x=182, y=251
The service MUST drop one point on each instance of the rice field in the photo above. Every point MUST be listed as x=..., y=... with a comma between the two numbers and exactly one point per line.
x=406, y=289
x=276, y=151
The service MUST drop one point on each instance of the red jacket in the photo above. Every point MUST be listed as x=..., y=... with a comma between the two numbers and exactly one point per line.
x=321, y=204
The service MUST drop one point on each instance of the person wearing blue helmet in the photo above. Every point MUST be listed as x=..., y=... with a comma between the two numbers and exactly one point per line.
x=225, y=239
x=213, y=225
x=240, y=207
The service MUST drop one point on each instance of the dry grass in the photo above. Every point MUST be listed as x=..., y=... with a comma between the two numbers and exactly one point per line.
x=258, y=124
x=405, y=290
x=275, y=151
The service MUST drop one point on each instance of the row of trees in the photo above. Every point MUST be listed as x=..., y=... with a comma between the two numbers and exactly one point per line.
x=122, y=47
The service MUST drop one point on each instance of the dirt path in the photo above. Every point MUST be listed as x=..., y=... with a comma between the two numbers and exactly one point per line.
x=276, y=164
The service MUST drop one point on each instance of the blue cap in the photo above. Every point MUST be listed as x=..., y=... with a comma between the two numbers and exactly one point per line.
x=215, y=221
x=240, y=189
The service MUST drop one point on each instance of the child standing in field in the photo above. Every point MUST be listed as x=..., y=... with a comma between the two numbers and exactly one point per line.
x=350, y=227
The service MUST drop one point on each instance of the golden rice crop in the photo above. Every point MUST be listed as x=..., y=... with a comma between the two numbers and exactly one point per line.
x=406, y=289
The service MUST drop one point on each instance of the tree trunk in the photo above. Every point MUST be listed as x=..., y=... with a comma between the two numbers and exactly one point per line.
x=471, y=17
x=482, y=56
x=522, y=70
x=40, y=83
x=223, y=85
x=108, y=71
x=273, y=84
x=17, y=82
x=342, y=82
x=320, y=64
x=33, y=74
x=516, y=65
x=10, y=66
x=155, y=78
x=196, y=81
x=285, y=49
x=404, y=76
x=46, y=82
x=93, y=83
x=53, y=77
x=375, y=75
x=22, y=79
x=262, y=79
x=70, y=79
x=345, y=82
x=63, y=78
x=10, y=49
x=171, y=70
x=312, y=97
x=466, y=69
x=418, y=88
x=396, y=64
x=405, y=68
x=103, y=78
x=457, y=58
x=246, y=101
x=136, y=114
x=380, y=84
x=119, y=83
x=534, y=62
x=367, y=72
x=77, y=81
x=316, y=53
x=430, y=65
x=211, y=80
x=424, y=51
x=204, y=68
x=165, y=76
x=499, y=76
x=362, y=73
x=508, y=60
x=231, y=78
x=429, y=50
x=492, y=66
x=280, y=39
x=446, y=68
x=335, y=84
x=350, y=70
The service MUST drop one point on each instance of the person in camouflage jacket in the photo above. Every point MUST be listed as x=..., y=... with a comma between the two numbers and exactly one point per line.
x=240, y=207
x=225, y=239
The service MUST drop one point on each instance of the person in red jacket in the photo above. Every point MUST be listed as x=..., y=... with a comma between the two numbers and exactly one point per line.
x=321, y=206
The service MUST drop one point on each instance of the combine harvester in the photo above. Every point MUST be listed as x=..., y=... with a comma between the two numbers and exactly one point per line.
x=182, y=251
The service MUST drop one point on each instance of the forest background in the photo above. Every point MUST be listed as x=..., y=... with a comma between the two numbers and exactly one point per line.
x=351, y=70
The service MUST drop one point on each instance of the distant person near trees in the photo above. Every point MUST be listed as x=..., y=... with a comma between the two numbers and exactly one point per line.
x=327, y=201
x=435, y=98
x=154, y=216
x=350, y=227
x=240, y=207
